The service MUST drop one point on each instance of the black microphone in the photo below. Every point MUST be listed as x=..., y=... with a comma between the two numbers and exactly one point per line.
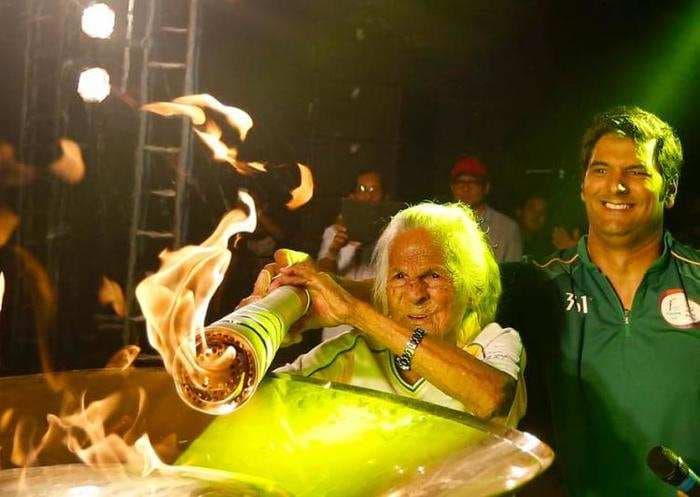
x=673, y=470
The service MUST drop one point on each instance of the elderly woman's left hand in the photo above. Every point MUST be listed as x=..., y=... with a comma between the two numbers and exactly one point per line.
x=331, y=305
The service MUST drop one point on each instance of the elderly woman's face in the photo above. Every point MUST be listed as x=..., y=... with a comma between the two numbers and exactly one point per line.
x=420, y=292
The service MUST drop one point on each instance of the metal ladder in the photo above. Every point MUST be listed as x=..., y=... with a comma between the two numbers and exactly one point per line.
x=163, y=155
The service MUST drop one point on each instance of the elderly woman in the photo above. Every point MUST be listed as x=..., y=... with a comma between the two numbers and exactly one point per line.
x=430, y=334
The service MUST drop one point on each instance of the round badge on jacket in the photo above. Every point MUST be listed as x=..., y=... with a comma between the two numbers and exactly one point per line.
x=678, y=309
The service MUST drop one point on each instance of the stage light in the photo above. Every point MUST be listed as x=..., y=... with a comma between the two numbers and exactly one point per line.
x=93, y=84
x=98, y=20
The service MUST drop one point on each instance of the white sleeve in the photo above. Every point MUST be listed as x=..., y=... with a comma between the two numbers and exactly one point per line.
x=291, y=367
x=328, y=235
x=500, y=348
x=514, y=245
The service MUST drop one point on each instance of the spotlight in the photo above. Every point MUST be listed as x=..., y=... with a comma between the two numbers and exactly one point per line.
x=98, y=20
x=93, y=84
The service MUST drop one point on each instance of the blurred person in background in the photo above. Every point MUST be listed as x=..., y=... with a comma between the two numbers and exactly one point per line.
x=349, y=258
x=534, y=226
x=340, y=255
x=470, y=185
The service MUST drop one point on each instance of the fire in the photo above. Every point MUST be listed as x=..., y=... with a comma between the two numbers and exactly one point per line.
x=112, y=294
x=175, y=299
x=85, y=434
x=8, y=223
x=124, y=358
x=105, y=433
x=236, y=118
x=168, y=109
x=70, y=167
x=302, y=193
x=193, y=106
x=211, y=136
x=6, y=419
x=12, y=172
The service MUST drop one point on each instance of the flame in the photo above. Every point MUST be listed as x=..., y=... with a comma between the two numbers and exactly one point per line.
x=25, y=451
x=43, y=303
x=175, y=299
x=6, y=419
x=70, y=167
x=12, y=172
x=84, y=431
x=124, y=358
x=207, y=129
x=250, y=166
x=211, y=136
x=86, y=436
x=8, y=223
x=169, y=109
x=235, y=117
x=302, y=193
x=112, y=294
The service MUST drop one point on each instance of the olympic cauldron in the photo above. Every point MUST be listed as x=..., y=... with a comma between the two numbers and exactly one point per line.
x=295, y=437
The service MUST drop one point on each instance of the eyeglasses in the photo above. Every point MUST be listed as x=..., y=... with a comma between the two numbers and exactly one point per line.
x=467, y=183
x=365, y=189
x=431, y=280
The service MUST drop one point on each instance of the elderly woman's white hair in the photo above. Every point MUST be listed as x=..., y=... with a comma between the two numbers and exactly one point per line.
x=468, y=259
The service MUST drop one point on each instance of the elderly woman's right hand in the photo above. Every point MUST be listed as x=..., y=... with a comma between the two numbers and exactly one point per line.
x=331, y=305
x=262, y=286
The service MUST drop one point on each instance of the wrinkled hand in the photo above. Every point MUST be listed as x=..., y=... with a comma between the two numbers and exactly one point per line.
x=263, y=286
x=563, y=239
x=340, y=239
x=331, y=305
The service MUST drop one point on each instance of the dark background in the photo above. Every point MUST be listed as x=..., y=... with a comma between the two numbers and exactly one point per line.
x=403, y=86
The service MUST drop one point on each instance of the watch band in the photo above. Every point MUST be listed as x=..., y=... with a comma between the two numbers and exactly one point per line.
x=403, y=361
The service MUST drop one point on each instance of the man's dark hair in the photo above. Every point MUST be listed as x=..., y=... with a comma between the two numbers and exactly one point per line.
x=641, y=126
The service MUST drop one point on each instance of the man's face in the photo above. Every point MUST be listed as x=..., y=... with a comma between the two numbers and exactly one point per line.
x=369, y=188
x=623, y=190
x=470, y=190
x=533, y=214
x=420, y=292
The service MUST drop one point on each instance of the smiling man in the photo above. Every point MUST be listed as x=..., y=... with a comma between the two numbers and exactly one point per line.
x=430, y=334
x=625, y=376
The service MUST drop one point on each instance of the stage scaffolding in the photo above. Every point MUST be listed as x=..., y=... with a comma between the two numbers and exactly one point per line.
x=152, y=55
x=163, y=156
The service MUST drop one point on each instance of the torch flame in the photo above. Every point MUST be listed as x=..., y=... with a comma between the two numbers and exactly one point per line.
x=112, y=294
x=124, y=358
x=12, y=172
x=70, y=167
x=302, y=193
x=6, y=419
x=236, y=118
x=8, y=223
x=207, y=129
x=175, y=299
x=211, y=136
x=168, y=109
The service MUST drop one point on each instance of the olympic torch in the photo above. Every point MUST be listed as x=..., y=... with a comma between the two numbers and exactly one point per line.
x=232, y=355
